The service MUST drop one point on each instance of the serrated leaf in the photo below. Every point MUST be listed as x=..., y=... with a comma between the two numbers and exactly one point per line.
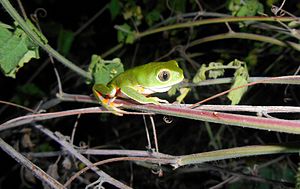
x=104, y=70
x=214, y=70
x=114, y=8
x=65, y=40
x=16, y=49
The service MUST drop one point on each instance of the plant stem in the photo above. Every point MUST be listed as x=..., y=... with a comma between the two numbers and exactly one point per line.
x=237, y=153
x=112, y=50
x=212, y=21
x=249, y=36
x=14, y=14
x=38, y=172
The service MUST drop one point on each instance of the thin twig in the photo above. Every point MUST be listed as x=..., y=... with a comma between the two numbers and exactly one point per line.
x=102, y=152
x=74, y=129
x=17, y=105
x=61, y=140
x=246, y=85
x=85, y=25
x=44, y=116
x=144, y=159
x=38, y=172
x=154, y=133
x=147, y=133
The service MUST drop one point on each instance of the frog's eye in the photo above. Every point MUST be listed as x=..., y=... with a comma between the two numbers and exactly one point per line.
x=164, y=75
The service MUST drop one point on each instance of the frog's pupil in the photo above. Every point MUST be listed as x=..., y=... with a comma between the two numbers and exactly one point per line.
x=164, y=76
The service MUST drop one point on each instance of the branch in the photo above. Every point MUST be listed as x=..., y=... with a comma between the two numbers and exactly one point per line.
x=61, y=140
x=14, y=14
x=38, y=172
x=248, y=36
x=213, y=21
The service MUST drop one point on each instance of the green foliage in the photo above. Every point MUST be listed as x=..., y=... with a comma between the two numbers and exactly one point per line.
x=183, y=93
x=152, y=17
x=16, y=49
x=25, y=94
x=65, y=41
x=177, y=5
x=280, y=172
x=298, y=177
x=36, y=31
x=32, y=90
x=133, y=12
x=240, y=78
x=103, y=71
x=251, y=59
x=44, y=147
x=114, y=8
x=217, y=69
x=271, y=2
x=245, y=7
x=214, y=69
x=125, y=34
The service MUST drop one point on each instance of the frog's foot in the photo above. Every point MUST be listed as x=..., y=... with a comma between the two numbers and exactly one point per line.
x=116, y=110
x=110, y=105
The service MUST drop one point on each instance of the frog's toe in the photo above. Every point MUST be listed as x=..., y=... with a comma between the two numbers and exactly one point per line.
x=161, y=100
x=116, y=110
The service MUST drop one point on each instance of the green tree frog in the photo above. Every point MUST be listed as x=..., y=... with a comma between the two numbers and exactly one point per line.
x=139, y=82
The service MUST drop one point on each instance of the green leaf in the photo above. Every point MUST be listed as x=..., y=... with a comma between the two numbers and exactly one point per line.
x=36, y=31
x=251, y=59
x=172, y=91
x=240, y=78
x=215, y=71
x=245, y=7
x=183, y=94
x=271, y=2
x=27, y=94
x=178, y=5
x=16, y=49
x=65, y=40
x=31, y=89
x=104, y=70
x=152, y=17
x=200, y=75
x=114, y=8
x=125, y=34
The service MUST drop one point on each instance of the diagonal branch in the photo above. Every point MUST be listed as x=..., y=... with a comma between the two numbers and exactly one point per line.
x=38, y=172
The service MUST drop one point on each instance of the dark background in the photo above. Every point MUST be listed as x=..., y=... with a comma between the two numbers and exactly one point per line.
x=180, y=137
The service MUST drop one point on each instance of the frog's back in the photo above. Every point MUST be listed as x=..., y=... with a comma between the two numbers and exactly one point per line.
x=127, y=78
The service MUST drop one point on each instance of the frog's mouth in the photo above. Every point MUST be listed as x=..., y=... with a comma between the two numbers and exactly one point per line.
x=157, y=89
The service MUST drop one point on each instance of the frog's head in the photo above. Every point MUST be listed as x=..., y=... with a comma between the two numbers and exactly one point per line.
x=161, y=76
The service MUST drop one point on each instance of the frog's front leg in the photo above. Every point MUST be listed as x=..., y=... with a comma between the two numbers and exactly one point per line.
x=135, y=95
x=101, y=92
